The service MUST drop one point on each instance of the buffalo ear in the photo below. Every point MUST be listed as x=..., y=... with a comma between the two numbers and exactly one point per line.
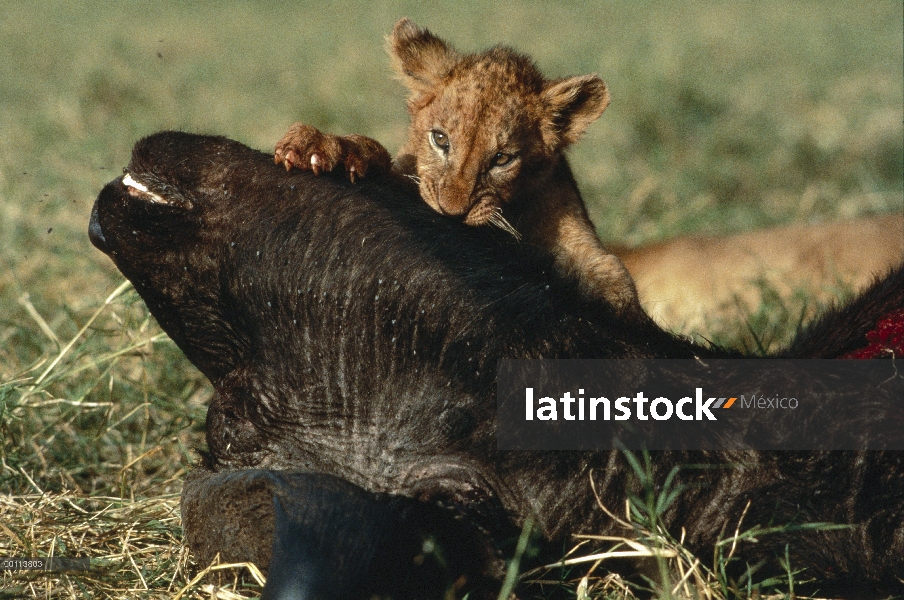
x=570, y=106
x=421, y=59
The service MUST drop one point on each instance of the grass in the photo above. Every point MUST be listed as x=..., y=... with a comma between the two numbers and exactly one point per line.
x=772, y=324
x=725, y=117
x=667, y=568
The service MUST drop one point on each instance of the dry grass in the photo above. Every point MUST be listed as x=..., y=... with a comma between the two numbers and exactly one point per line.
x=81, y=479
x=135, y=549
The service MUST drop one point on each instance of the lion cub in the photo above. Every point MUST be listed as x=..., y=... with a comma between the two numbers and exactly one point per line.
x=486, y=146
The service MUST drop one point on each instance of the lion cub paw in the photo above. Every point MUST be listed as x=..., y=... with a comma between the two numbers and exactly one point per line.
x=307, y=148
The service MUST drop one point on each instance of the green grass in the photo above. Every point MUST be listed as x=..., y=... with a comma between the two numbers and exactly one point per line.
x=726, y=116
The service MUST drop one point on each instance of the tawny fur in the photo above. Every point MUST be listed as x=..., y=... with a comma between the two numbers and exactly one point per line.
x=818, y=259
x=486, y=145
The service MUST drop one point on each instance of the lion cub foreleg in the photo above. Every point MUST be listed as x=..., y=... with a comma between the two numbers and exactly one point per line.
x=555, y=218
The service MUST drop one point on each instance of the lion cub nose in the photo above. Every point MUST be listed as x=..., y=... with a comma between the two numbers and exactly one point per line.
x=453, y=204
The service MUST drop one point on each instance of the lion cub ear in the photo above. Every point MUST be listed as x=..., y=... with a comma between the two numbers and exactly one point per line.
x=571, y=105
x=421, y=59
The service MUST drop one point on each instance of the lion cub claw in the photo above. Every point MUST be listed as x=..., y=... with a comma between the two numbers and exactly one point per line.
x=307, y=148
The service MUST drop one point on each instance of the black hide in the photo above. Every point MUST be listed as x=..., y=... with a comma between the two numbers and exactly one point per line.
x=352, y=337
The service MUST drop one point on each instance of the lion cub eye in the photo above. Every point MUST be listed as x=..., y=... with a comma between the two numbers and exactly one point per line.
x=440, y=140
x=501, y=159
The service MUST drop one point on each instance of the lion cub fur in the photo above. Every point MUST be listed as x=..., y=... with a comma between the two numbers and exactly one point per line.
x=486, y=145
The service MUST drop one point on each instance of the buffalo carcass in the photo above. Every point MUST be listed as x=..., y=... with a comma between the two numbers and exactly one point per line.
x=352, y=337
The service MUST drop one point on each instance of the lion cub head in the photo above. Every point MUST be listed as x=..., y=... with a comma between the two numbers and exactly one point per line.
x=484, y=126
